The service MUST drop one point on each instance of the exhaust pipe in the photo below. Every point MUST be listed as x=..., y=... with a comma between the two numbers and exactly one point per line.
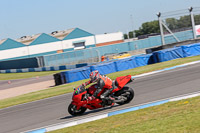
x=121, y=100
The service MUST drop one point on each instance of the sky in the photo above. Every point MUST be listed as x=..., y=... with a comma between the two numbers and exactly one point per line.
x=28, y=17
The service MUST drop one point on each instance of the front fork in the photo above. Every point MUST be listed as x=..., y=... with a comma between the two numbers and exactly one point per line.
x=78, y=105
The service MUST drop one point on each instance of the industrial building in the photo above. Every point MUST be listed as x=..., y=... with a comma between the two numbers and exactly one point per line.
x=54, y=42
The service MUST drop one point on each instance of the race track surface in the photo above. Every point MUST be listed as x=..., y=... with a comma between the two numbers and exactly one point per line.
x=50, y=111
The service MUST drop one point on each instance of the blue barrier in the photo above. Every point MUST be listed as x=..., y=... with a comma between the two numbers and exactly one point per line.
x=75, y=74
x=168, y=54
x=104, y=68
x=144, y=60
x=137, y=61
x=191, y=50
x=125, y=64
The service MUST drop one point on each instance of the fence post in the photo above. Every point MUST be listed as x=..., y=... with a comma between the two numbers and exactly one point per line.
x=129, y=47
x=99, y=58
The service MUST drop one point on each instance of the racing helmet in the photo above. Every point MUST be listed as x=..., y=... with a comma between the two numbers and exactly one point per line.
x=94, y=76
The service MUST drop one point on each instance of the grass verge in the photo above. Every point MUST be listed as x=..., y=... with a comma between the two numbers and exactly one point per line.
x=12, y=76
x=173, y=117
x=59, y=90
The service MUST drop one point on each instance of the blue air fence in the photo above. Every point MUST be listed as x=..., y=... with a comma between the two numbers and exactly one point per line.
x=92, y=55
x=133, y=62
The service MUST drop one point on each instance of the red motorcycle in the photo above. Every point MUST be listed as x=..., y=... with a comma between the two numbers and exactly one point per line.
x=121, y=93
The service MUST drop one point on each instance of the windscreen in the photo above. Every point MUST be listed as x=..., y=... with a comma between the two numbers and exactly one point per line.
x=79, y=90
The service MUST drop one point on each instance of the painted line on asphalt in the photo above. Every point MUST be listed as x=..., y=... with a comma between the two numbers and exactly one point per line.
x=184, y=97
x=38, y=131
x=166, y=69
x=137, y=107
x=137, y=76
x=56, y=127
x=51, y=128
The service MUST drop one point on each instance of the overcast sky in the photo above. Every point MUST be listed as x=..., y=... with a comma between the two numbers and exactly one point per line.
x=27, y=17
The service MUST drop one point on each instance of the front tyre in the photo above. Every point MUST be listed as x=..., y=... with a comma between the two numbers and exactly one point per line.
x=73, y=111
x=125, y=92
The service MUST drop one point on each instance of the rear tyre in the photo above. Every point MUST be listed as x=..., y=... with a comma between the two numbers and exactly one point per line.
x=126, y=92
x=73, y=111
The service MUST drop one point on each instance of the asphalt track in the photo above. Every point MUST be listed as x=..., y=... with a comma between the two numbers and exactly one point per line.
x=149, y=88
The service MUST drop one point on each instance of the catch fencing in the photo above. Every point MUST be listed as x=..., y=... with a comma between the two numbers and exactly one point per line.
x=176, y=21
x=72, y=57
x=93, y=55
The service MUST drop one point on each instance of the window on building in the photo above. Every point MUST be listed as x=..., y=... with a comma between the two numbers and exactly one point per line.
x=79, y=45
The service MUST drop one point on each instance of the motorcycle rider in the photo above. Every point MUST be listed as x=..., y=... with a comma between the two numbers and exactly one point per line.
x=102, y=82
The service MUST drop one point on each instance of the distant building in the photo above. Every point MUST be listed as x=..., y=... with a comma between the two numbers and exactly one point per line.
x=55, y=42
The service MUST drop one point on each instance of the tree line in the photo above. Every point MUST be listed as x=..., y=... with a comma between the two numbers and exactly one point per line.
x=173, y=24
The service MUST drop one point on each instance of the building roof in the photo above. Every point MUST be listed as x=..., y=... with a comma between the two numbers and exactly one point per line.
x=57, y=34
x=28, y=39
x=51, y=37
x=10, y=44
x=61, y=34
x=2, y=41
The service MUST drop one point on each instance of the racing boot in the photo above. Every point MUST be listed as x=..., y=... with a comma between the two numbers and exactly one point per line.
x=110, y=101
x=104, y=102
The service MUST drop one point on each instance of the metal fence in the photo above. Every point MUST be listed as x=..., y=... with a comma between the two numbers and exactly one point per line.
x=94, y=54
x=175, y=27
x=71, y=58
x=177, y=21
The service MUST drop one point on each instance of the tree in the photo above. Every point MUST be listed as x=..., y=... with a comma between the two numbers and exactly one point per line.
x=197, y=19
x=130, y=34
x=148, y=28
x=125, y=36
x=184, y=22
x=172, y=23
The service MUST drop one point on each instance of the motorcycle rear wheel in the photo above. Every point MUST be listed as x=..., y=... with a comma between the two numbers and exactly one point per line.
x=128, y=96
x=73, y=111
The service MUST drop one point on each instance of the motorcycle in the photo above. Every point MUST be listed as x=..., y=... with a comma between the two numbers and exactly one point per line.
x=121, y=94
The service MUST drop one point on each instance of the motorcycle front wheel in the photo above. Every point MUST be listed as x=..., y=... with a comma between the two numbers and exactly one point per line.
x=73, y=111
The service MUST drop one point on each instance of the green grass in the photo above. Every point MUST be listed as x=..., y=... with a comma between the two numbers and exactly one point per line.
x=173, y=117
x=59, y=90
x=11, y=76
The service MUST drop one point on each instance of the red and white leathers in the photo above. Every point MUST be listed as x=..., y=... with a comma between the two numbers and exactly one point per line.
x=103, y=82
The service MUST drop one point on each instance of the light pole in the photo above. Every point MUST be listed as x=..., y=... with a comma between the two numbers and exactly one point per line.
x=161, y=28
x=192, y=20
x=132, y=25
